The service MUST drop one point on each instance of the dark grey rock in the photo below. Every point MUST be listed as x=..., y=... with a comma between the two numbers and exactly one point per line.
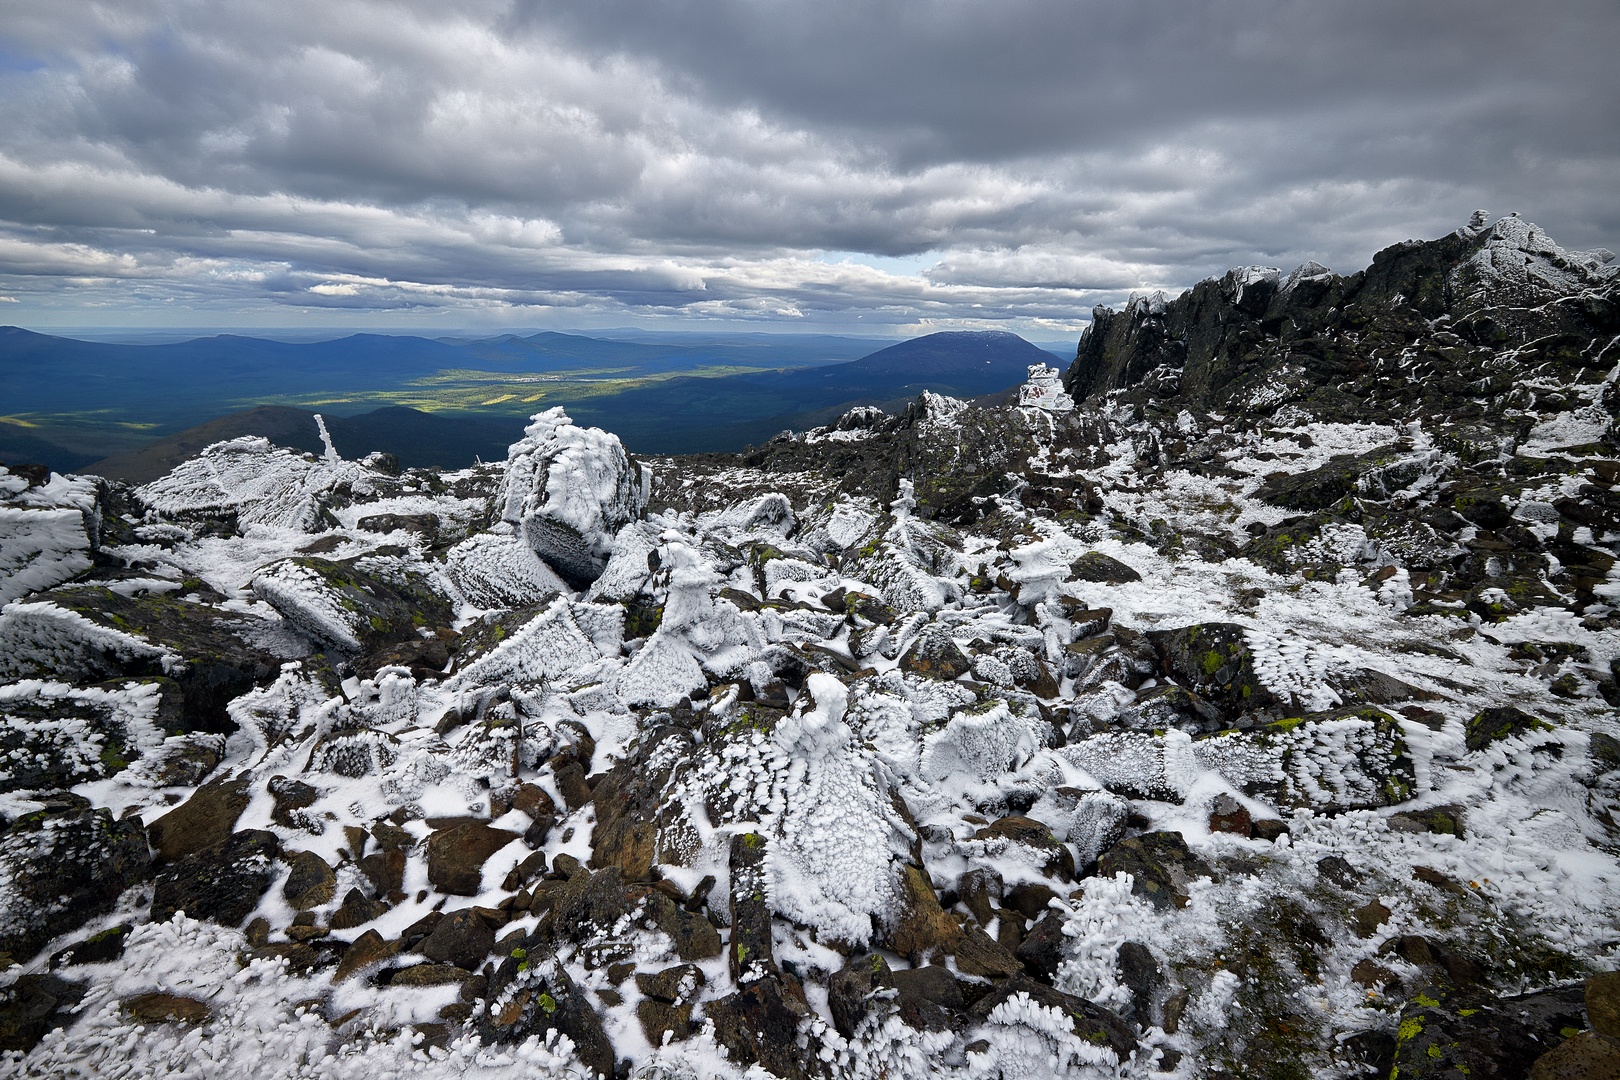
x=222, y=883
x=63, y=866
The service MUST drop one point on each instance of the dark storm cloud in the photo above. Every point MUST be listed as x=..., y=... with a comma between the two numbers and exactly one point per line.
x=918, y=162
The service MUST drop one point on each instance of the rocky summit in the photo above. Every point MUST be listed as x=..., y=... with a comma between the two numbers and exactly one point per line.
x=1240, y=702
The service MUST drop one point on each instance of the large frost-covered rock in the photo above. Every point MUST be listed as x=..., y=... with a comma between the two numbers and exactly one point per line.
x=568, y=490
x=255, y=483
x=834, y=862
x=500, y=570
x=86, y=633
x=48, y=531
x=631, y=564
x=351, y=604
x=978, y=744
x=1517, y=263
x=53, y=735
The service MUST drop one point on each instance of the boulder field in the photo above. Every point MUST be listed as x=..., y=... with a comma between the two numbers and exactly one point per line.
x=1240, y=702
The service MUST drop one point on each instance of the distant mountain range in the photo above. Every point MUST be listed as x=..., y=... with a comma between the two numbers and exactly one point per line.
x=693, y=415
x=127, y=408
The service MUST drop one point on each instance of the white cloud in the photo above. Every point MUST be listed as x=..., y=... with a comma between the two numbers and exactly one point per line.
x=891, y=163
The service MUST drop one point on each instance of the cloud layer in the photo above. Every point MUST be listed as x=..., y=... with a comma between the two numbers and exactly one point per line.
x=886, y=164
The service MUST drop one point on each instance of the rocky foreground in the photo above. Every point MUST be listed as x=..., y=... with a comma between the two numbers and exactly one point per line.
x=1240, y=704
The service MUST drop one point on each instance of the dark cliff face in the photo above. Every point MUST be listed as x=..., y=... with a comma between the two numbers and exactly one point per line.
x=1451, y=325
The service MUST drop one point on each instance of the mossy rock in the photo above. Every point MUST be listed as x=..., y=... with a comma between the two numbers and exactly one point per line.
x=222, y=883
x=1214, y=662
x=1324, y=487
x=1498, y=723
x=217, y=660
x=934, y=655
x=1160, y=864
x=1445, y=1033
x=348, y=607
x=1097, y=567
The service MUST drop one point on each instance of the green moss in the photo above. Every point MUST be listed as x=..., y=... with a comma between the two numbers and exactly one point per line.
x=1212, y=662
x=112, y=756
x=548, y=1003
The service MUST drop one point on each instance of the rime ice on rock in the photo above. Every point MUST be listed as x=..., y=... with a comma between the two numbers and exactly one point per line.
x=630, y=566
x=1240, y=279
x=260, y=484
x=833, y=865
x=549, y=646
x=498, y=570
x=1044, y=390
x=912, y=564
x=47, y=532
x=568, y=490
x=978, y=745
x=1517, y=263
x=697, y=635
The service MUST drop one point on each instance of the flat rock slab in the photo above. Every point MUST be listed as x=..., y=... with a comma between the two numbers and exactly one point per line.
x=202, y=821
x=456, y=856
x=159, y=1008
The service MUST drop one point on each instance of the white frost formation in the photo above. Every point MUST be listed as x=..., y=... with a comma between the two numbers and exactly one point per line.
x=569, y=490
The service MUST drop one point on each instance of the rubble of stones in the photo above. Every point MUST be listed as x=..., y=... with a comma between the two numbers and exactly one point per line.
x=1247, y=710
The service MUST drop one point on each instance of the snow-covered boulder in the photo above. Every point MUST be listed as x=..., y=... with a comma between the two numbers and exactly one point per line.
x=255, y=483
x=569, y=490
x=498, y=570
x=48, y=531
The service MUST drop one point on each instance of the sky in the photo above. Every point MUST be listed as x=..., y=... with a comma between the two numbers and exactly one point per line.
x=888, y=167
